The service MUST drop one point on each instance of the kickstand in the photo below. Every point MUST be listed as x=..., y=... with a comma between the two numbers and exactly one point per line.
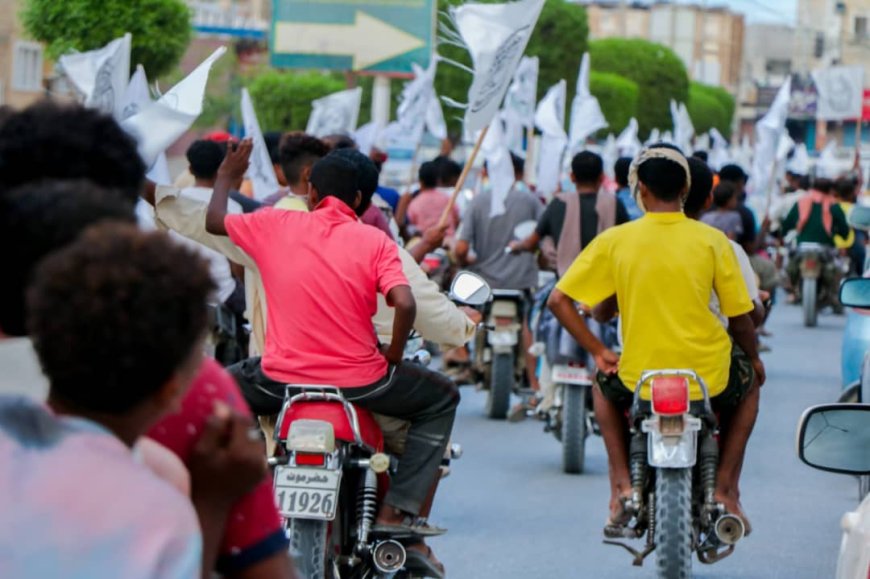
x=710, y=556
x=639, y=556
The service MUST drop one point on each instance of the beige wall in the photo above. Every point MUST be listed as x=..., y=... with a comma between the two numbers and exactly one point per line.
x=19, y=85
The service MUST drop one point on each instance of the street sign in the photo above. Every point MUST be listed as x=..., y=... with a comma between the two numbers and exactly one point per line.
x=377, y=36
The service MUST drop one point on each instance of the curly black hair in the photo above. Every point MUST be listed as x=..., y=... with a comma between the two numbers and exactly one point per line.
x=53, y=141
x=297, y=151
x=115, y=314
x=39, y=218
x=366, y=173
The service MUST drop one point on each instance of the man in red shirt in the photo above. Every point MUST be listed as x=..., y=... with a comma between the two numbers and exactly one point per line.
x=321, y=272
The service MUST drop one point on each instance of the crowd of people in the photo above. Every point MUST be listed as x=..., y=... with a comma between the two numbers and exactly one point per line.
x=128, y=453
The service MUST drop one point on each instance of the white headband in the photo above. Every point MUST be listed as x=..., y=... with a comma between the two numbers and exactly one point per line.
x=656, y=153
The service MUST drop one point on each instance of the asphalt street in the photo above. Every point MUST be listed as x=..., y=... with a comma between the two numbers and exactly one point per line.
x=512, y=513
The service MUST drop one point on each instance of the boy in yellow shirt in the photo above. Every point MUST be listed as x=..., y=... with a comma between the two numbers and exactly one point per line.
x=663, y=268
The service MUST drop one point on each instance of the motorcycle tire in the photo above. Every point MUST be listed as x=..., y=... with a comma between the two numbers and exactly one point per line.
x=574, y=429
x=673, y=532
x=308, y=546
x=501, y=384
x=809, y=297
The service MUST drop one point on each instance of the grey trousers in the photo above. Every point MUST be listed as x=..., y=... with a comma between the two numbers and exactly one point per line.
x=426, y=399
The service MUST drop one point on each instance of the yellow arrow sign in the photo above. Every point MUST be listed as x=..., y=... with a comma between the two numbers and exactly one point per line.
x=368, y=40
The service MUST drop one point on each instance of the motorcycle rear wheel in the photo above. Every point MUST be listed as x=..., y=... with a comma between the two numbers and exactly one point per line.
x=573, y=428
x=501, y=384
x=809, y=295
x=673, y=532
x=309, y=541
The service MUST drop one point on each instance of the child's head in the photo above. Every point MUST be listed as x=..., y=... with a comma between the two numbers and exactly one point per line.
x=334, y=176
x=663, y=173
x=367, y=176
x=204, y=158
x=700, y=191
x=587, y=170
x=725, y=196
x=117, y=318
x=297, y=153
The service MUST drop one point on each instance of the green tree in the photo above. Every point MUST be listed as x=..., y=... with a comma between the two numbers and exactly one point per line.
x=659, y=73
x=722, y=96
x=559, y=41
x=707, y=112
x=617, y=96
x=283, y=99
x=160, y=28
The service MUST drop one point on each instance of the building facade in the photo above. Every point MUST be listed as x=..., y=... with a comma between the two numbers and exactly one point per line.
x=23, y=66
x=709, y=41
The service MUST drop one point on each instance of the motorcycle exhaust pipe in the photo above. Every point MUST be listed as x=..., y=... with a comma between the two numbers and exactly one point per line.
x=389, y=556
x=729, y=529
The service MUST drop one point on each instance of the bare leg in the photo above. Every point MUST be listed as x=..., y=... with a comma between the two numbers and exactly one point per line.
x=612, y=423
x=736, y=436
x=531, y=361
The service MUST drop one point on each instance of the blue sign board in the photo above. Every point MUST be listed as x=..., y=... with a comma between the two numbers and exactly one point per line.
x=376, y=36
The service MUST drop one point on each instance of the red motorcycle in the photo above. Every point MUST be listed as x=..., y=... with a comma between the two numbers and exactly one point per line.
x=331, y=473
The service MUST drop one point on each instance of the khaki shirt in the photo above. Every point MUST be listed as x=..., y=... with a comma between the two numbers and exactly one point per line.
x=438, y=319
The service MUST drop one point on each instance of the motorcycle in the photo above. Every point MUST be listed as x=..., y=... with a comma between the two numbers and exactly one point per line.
x=820, y=268
x=331, y=472
x=673, y=458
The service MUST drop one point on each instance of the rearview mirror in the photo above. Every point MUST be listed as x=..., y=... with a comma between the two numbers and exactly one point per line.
x=859, y=217
x=470, y=289
x=855, y=293
x=835, y=438
x=525, y=229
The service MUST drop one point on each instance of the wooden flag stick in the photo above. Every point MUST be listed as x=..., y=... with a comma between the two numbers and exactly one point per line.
x=462, y=177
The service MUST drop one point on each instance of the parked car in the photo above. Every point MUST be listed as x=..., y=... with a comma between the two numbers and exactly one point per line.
x=854, y=359
x=835, y=438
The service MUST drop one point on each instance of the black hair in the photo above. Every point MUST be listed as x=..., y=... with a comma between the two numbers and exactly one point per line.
x=273, y=144
x=587, y=167
x=823, y=184
x=723, y=194
x=733, y=174
x=519, y=165
x=39, y=218
x=367, y=176
x=48, y=140
x=621, y=169
x=115, y=314
x=702, y=155
x=339, y=141
x=205, y=157
x=298, y=151
x=699, y=191
x=449, y=171
x=664, y=178
x=334, y=176
x=429, y=174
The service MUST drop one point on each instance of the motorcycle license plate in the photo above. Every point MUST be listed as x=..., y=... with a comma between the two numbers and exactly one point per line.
x=307, y=493
x=564, y=374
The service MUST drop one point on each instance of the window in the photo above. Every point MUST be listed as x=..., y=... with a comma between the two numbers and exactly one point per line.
x=860, y=27
x=27, y=67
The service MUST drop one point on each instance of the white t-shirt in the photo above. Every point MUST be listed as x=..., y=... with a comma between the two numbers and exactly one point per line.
x=218, y=265
x=77, y=504
x=748, y=277
x=21, y=374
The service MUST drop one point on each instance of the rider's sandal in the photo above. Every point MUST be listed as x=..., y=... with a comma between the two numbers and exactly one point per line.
x=616, y=525
x=419, y=562
x=410, y=527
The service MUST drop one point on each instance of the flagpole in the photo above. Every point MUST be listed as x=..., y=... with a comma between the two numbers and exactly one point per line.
x=530, y=153
x=462, y=177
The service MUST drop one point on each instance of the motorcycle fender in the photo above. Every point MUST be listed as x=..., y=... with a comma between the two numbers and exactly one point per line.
x=811, y=268
x=672, y=451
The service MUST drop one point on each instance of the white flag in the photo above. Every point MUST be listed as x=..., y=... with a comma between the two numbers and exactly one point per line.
x=499, y=167
x=655, y=136
x=719, y=156
x=683, y=128
x=161, y=123
x=768, y=132
x=261, y=172
x=550, y=119
x=136, y=99
x=827, y=166
x=435, y=123
x=366, y=137
x=101, y=75
x=841, y=92
x=799, y=164
x=496, y=36
x=335, y=114
x=519, y=103
x=610, y=155
x=627, y=143
x=586, y=115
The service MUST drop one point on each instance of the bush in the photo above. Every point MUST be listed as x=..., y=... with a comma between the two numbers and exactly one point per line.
x=161, y=28
x=722, y=96
x=707, y=112
x=559, y=41
x=283, y=99
x=659, y=73
x=617, y=96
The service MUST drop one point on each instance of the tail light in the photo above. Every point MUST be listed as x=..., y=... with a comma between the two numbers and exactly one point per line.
x=504, y=320
x=311, y=436
x=670, y=396
x=310, y=459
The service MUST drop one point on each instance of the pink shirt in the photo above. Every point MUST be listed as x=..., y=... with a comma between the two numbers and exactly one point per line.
x=426, y=208
x=321, y=272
